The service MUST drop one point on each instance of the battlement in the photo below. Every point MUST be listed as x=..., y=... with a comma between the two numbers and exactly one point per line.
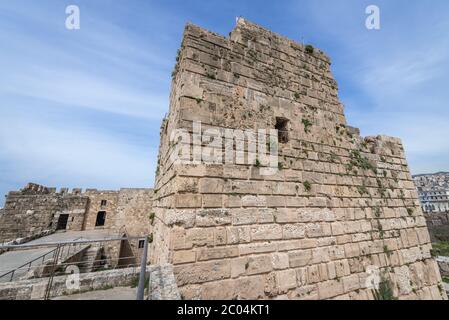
x=37, y=189
x=37, y=208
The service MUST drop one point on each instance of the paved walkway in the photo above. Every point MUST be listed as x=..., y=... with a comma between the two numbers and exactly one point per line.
x=75, y=235
x=14, y=259
x=119, y=293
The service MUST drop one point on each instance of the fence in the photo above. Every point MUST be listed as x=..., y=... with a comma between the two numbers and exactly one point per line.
x=37, y=265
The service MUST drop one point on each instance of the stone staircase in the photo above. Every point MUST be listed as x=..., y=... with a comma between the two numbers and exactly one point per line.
x=90, y=259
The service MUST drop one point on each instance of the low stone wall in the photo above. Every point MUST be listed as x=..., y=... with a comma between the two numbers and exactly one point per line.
x=35, y=289
x=443, y=264
x=163, y=283
x=27, y=239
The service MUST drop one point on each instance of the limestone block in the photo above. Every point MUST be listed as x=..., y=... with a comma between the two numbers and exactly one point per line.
x=294, y=231
x=285, y=216
x=280, y=261
x=338, y=228
x=330, y=289
x=254, y=201
x=200, y=237
x=202, y=272
x=212, y=201
x=258, y=264
x=213, y=217
x=266, y=232
x=188, y=201
x=232, y=201
x=211, y=185
x=238, y=267
x=178, y=239
x=217, y=253
x=351, y=283
x=286, y=280
x=250, y=288
x=316, y=230
x=331, y=270
x=182, y=218
x=352, y=250
x=220, y=236
x=236, y=235
x=244, y=217
x=320, y=255
x=253, y=248
x=185, y=256
x=299, y=258
x=264, y=215
x=313, y=274
x=342, y=268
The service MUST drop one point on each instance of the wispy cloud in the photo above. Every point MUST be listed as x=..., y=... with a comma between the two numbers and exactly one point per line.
x=43, y=151
x=392, y=81
x=84, y=108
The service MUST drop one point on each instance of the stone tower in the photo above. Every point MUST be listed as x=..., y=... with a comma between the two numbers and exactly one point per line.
x=337, y=212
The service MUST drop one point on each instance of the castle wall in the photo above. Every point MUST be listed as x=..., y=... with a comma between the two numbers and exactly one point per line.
x=36, y=209
x=134, y=215
x=337, y=205
x=95, y=206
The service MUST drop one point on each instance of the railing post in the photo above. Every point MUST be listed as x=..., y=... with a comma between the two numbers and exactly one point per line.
x=143, y=272
x=53, y=269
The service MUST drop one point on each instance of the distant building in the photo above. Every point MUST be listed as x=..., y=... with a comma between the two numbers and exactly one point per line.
x=434, y=200
x=433, y=190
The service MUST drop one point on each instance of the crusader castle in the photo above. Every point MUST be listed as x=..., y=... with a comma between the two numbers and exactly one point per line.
x=335, y=205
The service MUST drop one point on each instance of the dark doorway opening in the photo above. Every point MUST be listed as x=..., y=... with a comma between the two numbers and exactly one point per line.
x=62, y=222
x=282, y=128
x=101, y=219
x=126, y=255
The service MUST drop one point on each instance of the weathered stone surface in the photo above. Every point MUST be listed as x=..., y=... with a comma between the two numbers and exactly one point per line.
x=35, y=289
x=202, y=272
x=335, y=203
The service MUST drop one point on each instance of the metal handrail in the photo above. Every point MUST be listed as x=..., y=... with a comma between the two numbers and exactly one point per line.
x=59, y=250
x=52, y=244
x=27, y=264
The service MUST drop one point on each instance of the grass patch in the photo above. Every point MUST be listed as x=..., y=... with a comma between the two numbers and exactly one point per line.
x=440, y=248
x=310, y=49
x=280, y=166
x=307, y=124
x=359, y=161
x=307, y=186
x=385, y=291
x=211, y=76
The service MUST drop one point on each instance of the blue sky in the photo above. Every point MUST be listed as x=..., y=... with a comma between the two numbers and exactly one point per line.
x=83, y=108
